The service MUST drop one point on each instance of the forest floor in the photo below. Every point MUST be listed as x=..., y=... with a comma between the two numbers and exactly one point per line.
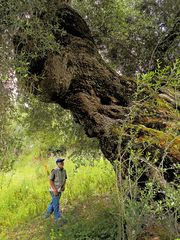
x=84, y=221
x=90, y=204
x=88, y=220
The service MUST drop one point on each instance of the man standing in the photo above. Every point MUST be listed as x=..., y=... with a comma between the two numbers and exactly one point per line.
x=57, y=180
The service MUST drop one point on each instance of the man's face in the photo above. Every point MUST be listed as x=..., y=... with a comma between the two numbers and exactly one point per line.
x=61, y=165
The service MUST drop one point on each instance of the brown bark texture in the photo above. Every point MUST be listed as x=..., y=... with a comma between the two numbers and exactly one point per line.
x=103, y=102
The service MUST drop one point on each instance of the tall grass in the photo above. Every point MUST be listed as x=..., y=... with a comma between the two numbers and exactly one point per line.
x=24, y=191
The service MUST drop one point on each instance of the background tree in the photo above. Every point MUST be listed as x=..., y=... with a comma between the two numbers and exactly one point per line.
x=129, y=33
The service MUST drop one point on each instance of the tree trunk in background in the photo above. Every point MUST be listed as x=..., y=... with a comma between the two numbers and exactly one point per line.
x=103, y=102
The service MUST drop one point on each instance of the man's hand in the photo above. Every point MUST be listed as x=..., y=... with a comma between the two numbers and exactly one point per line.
x=63, y=188
x=54, y=188
x=56, y=192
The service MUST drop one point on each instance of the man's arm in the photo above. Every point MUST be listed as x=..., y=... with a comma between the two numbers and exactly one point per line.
x=53, y=186
x=63, y=187
x=51, y=181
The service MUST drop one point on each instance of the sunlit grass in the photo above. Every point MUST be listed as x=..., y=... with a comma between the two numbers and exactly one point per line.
x=24, y=191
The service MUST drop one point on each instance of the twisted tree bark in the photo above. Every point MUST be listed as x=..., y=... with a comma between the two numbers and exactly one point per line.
x=101, y=100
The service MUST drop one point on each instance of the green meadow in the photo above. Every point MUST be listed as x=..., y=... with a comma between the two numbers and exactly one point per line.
x=24, y=197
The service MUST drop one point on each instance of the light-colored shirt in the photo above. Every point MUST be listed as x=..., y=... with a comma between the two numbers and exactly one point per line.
x=58, y=176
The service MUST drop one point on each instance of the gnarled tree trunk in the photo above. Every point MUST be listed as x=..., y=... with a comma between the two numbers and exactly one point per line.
x=101, y=100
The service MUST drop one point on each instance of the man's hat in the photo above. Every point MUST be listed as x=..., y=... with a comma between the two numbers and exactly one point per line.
x=59, y=160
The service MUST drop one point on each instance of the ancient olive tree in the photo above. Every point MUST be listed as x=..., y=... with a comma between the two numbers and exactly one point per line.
x=124, y=114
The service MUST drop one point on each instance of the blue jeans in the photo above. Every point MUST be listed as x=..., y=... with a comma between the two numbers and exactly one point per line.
x=54, y=206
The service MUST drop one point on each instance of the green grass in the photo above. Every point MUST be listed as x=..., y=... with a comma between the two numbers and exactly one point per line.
x=24, y=193
x=94, y=207
x=92, y=219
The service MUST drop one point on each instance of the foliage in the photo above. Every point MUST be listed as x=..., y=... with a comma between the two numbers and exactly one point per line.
x=95, y=208
x=147, y=180
x=9, y=138
x=49, y=126
x=25, y=190
x=128, y=32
